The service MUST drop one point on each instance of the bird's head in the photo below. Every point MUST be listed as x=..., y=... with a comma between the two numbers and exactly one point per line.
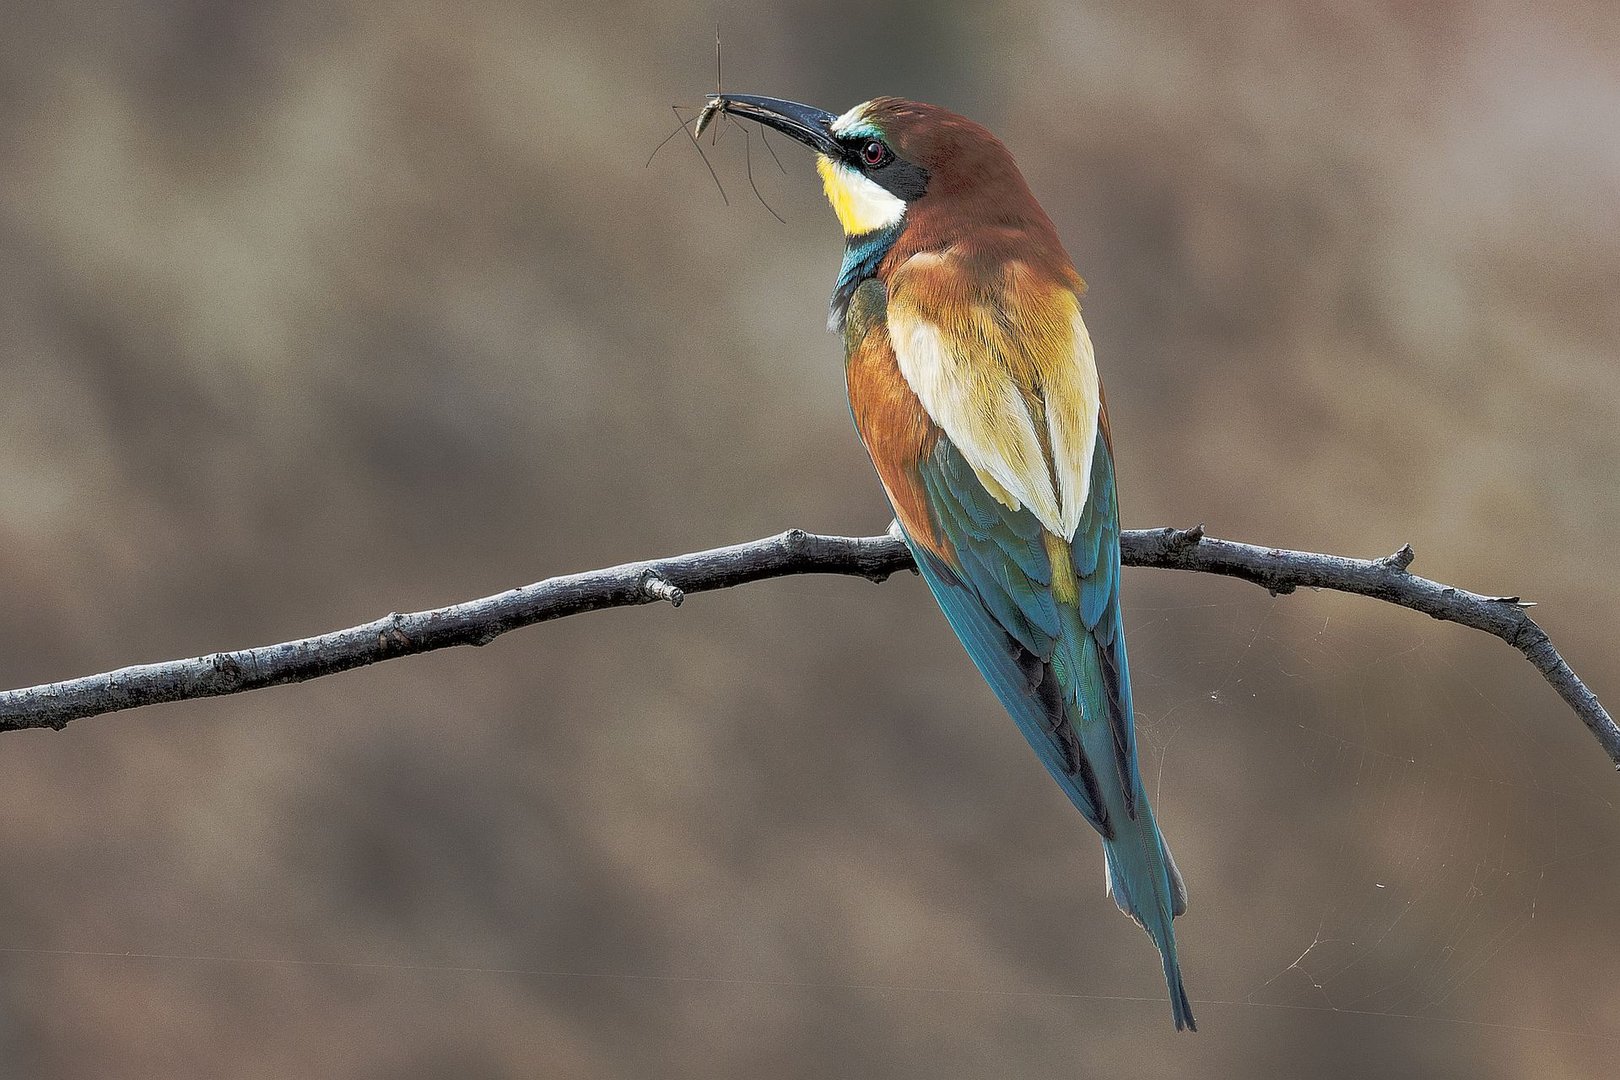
x=907, y=178
x=890, y=160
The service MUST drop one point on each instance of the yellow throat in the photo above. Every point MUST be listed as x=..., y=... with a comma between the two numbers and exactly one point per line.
x=861, y=204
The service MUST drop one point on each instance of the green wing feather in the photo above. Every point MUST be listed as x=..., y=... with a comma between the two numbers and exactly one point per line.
x=1057, y=668
x=1105, y=674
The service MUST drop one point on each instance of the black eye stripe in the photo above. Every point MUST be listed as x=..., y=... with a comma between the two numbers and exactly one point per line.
x=891, y=171
x=855, y=148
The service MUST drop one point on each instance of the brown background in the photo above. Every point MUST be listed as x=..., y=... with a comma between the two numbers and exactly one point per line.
x=308, y=313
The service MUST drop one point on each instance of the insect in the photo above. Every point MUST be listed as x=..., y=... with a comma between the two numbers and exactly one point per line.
x=713, y=107
x=716, y=102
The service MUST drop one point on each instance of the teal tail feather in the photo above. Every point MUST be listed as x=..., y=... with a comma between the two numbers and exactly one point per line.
x=1060, y=670
x=1145, y=883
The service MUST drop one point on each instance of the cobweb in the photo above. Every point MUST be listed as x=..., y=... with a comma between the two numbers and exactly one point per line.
x=1410, y=820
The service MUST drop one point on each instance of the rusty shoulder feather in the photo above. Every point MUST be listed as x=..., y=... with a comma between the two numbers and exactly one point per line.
x=891, y=421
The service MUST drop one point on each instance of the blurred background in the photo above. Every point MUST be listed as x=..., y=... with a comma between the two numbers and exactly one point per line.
x=310, y=312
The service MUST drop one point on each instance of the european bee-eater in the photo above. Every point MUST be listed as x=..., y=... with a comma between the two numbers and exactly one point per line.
x=972, y=384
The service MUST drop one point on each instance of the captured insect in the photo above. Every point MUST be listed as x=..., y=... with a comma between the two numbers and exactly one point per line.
x=714, y=106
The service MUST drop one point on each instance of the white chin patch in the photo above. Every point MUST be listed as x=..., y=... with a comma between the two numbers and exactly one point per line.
x=862, y=205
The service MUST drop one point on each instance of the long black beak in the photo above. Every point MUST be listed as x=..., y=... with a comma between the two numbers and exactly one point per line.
x=806, y=123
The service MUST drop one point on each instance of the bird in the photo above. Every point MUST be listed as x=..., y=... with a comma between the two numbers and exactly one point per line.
x=974, y=388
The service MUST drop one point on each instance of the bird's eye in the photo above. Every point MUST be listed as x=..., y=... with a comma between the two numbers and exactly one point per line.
x=874, y=153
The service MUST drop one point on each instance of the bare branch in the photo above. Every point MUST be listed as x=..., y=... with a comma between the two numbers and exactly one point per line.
x=478, y=622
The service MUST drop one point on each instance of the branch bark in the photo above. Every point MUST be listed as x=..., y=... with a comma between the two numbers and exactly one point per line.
x=478, y=622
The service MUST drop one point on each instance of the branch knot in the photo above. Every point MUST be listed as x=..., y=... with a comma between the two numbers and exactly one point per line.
x=1184, y=538
x=1400, y=560
x=655, y=587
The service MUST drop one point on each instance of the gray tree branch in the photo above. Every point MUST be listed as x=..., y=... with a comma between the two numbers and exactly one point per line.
x=478, y=622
